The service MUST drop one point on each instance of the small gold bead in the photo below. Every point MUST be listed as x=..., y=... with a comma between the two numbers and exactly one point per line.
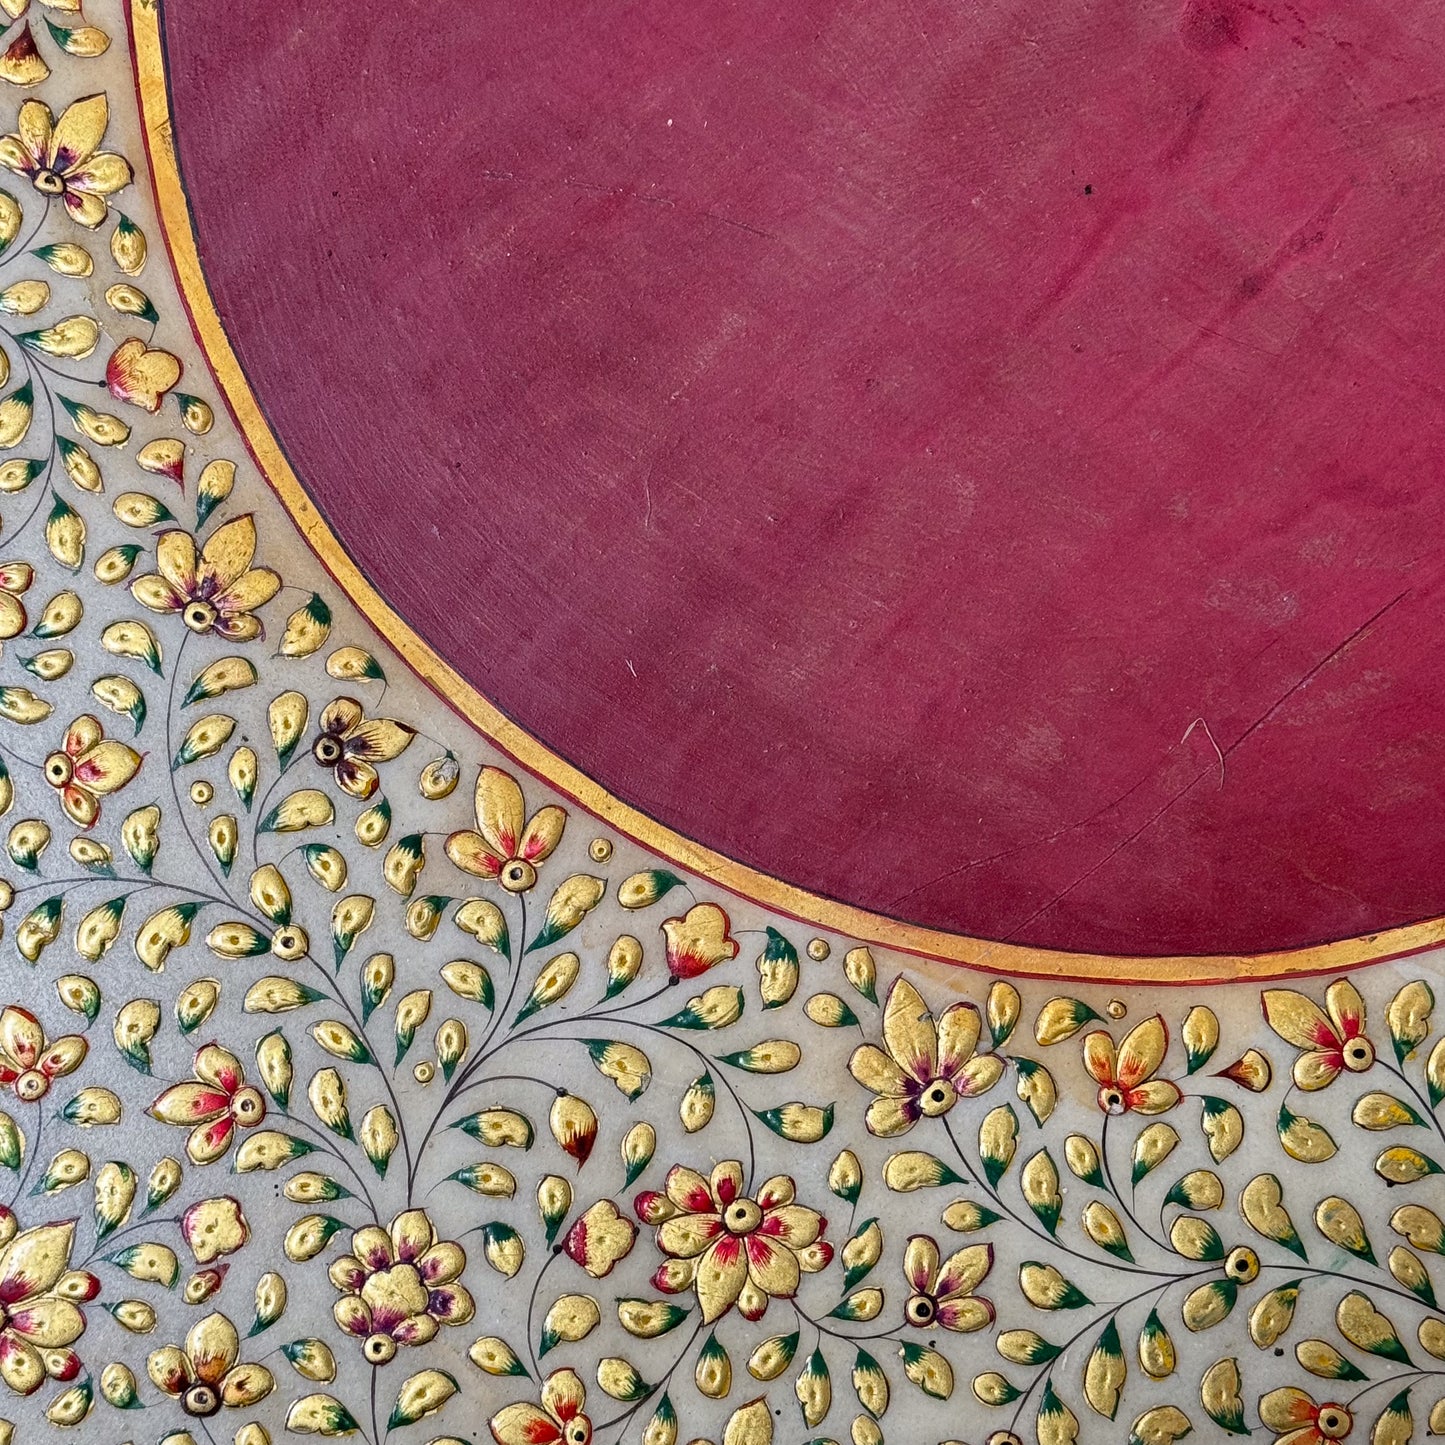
x=7, y=895
x=1117, y=1008
x=202, y=793
x=424, y=1072
x=818, y=949
x=600, y=849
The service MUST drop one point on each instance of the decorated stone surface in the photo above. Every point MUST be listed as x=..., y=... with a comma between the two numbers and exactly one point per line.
x=359, y=1082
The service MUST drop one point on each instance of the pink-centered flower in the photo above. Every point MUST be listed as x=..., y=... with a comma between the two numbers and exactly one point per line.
x=399, y=1286
x=62, y=158
x=213, y=1105
x=732, y=1247
x=214, y=589
x=40, y=1299
x=88, y=767
x=928, y=1066
x=28, y=1062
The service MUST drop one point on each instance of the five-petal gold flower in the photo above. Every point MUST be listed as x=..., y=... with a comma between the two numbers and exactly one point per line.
x=927, y=1068
x=62, y=158
x=1125, y=1075
x=216, y=590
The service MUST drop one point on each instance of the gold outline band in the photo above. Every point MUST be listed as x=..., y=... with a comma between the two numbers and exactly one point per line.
x=173, y=208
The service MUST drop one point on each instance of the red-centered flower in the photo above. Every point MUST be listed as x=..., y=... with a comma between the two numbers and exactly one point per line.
x=506, y=845
x=1126, y=1077
x=213, y=1105
x=88, y=767
x=559, y=1420
x=40, y=1299
x=734, y=1249
x=1297, y=1420
x=27, y=1062
x=1332, y=1041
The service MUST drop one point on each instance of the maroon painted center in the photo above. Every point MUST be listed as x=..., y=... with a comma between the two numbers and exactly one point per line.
x=981, y=462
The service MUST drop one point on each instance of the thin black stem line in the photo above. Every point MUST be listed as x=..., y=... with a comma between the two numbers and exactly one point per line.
x=1430, y=1113
x=1032, y=1226
x=204, y=854
x=1112, y=1313
x=340, y=997
x=330, y=1148
x=1126, y=1206
x=659, y=1388
x=31, y=1154
x=484, y=1049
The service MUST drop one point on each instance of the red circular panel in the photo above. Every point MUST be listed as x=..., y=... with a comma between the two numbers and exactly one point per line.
x=983, y=463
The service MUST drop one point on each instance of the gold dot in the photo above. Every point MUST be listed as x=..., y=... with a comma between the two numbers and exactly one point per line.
x=1117, y=1008
x=818, y=949
x=424, y=1072
x=7, y=894
x=202, y=793
x=600, y=849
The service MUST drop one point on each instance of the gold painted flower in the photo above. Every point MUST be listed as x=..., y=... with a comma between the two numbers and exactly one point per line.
x=1332, y=1041
x=28, y=1062
x=506, y=845
x=62, y=157
x=559, y=1420
x=398, y=1287
x=140, y=374
x=88, y=767
x=927, y=1068
x=943, y=1291
x=40, y=1299
x=600, y=1238
x=213, y=1227
x=733, y=1248
x=213, y=1105
x=351, y=744
x=1297, y=1420
x=216, y=590
x=698, y=941
x=1126, y=1076
x=205, y=1375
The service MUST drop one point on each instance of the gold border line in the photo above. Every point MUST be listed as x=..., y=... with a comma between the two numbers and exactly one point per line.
x=173, y=207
